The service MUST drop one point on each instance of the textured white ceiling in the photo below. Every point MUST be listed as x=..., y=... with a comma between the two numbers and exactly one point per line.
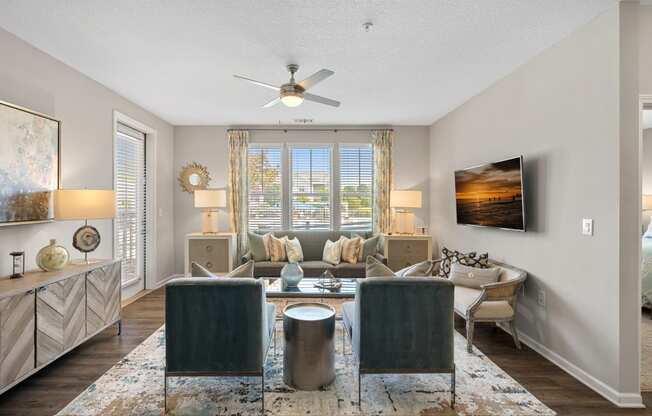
x=176, y=58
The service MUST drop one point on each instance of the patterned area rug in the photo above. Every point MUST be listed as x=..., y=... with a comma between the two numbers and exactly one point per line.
x=135, y=387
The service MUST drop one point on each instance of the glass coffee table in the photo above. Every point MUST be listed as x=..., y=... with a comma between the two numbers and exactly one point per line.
x=306, y=291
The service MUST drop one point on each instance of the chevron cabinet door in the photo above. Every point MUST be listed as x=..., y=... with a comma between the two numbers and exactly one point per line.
x=103, y=293
x=60, y=317
x=16, y=336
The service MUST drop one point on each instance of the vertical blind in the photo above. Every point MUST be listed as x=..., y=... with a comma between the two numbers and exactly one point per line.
x=310, y=191
x=130, y=189
x=265, y=188
x=356, y=187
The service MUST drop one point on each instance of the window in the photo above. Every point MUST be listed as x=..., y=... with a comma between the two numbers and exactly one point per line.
x=130, y=188
x=265, y=188
x=310, y=188
x=356, y=185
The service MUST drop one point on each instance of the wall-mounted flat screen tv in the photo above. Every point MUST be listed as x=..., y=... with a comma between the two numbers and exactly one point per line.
x=491, y=195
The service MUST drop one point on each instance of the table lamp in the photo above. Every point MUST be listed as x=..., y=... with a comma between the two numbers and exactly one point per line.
x=404, y=218
x=647, y=202
x=209, y=200
x=84, y=204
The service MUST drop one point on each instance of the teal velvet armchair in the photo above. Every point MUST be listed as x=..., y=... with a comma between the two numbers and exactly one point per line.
x=402, y=325
x=217, y=327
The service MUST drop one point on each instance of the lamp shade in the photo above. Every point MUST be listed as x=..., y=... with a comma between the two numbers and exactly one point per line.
x=647, y=202
x=210, y=198
x=84, y=204
x=405, y=199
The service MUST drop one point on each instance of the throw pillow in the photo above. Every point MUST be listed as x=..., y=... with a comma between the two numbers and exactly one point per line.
x=197, y=270
x=244, y=270
x=369, y=247
x=351, y=248
x=421, y=269
x=293, y=250
x=448, y=257
x=259, y=246
x=332, y=252
x=277, y=248
x=480, y=262
x=474, y=277
x=375, y=268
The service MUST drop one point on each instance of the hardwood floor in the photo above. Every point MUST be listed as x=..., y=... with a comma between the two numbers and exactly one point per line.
x=51, y=389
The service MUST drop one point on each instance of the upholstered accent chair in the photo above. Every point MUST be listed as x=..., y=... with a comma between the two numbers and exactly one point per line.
x=402, y=325
x=494, y=302
x=217, y=327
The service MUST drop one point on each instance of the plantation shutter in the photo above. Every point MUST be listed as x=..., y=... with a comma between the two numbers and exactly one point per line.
x=265, y=192
x=356, y=187
x=131, y=203
x=310, y=188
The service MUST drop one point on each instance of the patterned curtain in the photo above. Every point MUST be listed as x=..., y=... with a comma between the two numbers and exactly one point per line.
x=383, y=175
x=238, y=145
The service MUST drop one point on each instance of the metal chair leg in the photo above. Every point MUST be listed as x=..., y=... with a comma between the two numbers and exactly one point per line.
x=453, y=388
x=359, y=389
x=263, y=392
x=165, y=392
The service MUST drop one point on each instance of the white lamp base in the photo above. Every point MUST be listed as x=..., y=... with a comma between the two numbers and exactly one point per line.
x=404, y=222
x=209, y=222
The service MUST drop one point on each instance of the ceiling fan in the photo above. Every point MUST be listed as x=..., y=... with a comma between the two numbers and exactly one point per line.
x=293, y=93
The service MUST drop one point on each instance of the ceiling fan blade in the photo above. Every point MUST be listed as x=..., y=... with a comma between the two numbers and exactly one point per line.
x=320, y=99
x=262, y=84
x=272, y=103
x=315, y=78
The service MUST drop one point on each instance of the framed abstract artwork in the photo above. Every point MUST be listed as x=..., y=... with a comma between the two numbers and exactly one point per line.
x=29, y=165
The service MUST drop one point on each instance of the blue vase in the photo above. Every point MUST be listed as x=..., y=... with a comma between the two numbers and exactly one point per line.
x=291, y=274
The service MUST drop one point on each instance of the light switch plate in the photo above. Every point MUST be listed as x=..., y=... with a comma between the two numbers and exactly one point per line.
x=587, y=226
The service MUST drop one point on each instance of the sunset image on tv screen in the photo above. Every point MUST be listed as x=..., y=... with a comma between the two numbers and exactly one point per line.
x=491, y=195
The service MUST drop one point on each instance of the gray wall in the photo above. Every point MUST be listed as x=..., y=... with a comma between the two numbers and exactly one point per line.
x=32, y=79
x=207, y=145
x=645, y=56
x=560, y=112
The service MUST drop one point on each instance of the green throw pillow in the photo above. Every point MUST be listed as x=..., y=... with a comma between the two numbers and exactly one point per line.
x=375, y=268
x=421, y=269
x=369, y=246
x=200, y=271
x=257, y=247
x=245, y=270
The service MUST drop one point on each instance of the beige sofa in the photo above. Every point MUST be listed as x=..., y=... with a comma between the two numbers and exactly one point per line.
x=495, y=302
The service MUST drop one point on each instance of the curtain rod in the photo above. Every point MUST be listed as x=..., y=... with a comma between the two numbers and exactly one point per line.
x=307, y=129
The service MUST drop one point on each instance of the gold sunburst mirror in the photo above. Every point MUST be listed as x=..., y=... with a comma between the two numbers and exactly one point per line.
x=194, y=176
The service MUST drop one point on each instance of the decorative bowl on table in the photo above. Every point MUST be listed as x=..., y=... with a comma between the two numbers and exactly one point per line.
x=291, y=275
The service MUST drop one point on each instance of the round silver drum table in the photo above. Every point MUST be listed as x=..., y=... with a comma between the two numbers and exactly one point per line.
x=309, y=353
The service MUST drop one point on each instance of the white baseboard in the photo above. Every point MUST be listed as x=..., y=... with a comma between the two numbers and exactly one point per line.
x=625, y=400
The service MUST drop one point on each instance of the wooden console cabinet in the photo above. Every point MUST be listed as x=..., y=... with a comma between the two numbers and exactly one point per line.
x=43, y=315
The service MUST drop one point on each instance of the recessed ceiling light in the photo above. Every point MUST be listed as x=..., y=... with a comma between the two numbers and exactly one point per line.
x=367, y=26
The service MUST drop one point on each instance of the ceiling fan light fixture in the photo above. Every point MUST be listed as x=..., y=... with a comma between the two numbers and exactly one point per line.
x=292, y=99
x=291, y=96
